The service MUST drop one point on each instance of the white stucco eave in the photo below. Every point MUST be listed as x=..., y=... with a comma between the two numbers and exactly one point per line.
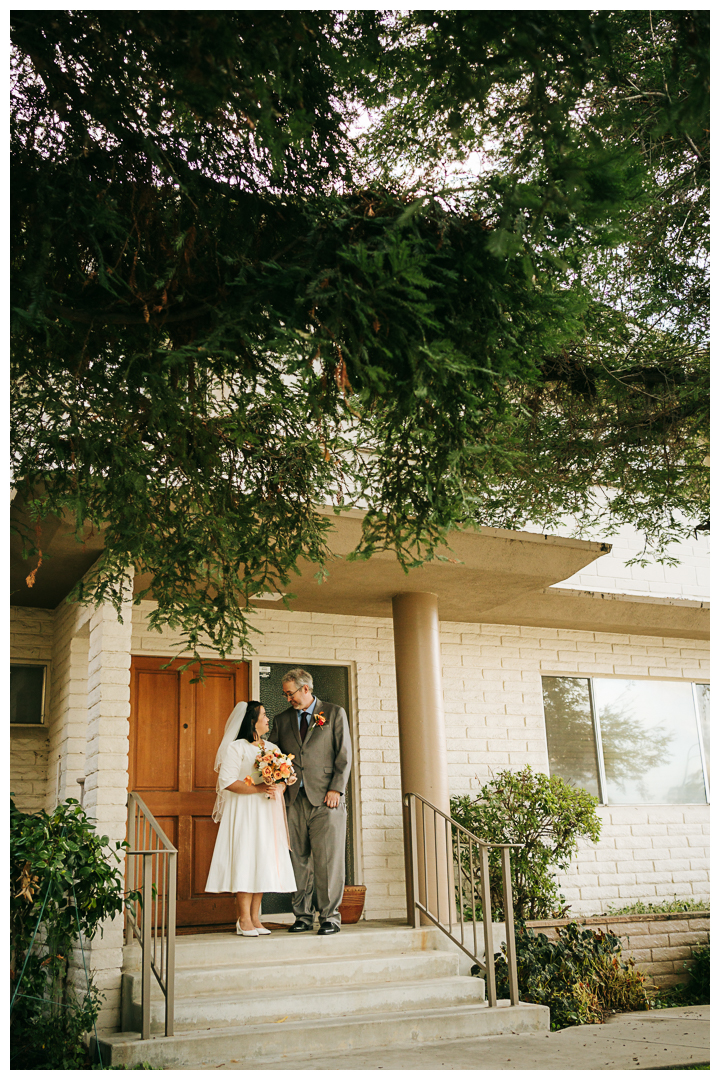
x=609, y=612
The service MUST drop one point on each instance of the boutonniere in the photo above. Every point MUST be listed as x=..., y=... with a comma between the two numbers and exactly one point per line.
x=320, y=719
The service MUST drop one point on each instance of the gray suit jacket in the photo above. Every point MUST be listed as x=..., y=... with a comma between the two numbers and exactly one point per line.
x=323, y=761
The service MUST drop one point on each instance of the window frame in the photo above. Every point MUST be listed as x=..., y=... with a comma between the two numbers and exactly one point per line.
x=45, y=665
x=701, y=738
x=602, y=781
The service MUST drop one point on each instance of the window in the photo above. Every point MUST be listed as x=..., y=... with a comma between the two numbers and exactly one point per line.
x=629, y=740
x=702, y=702
x=27, y=693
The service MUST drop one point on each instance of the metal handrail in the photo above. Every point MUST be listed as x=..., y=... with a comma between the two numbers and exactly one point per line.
x=433, y=870
x=154, y=926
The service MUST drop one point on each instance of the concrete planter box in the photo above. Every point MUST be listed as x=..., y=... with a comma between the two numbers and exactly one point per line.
x=659, y=944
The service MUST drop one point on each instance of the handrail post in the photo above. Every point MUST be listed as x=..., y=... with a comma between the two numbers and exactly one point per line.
x=145, y=932
x=130, y=866
x=461, y=888
x=436, y=866
x=472, y=895
x=415, y=883
x=450, y=874
x=170, y=977
x=426, y=891
x=510, y=927
x=487, y=928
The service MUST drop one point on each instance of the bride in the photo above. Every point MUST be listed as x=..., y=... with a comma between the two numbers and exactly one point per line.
x=251, y=853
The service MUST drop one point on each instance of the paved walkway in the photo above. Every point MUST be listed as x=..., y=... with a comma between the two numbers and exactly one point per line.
x=660, y=1039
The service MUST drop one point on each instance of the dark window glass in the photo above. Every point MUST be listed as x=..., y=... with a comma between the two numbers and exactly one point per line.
x=571, y=740
x=26, y=693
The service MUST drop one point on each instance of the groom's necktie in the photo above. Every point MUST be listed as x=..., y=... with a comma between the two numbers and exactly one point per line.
x=303, y=726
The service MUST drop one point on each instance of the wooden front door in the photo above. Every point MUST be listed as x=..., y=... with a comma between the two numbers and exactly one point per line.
x=175, y=730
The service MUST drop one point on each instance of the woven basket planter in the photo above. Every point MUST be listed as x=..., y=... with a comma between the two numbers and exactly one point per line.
x=353, y=902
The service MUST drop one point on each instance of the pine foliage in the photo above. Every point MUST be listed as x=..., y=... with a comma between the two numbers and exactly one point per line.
x=249, y=281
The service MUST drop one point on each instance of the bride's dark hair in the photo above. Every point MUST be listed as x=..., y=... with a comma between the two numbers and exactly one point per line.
x=247, y=728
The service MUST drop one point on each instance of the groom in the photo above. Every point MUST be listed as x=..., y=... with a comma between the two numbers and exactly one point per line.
x=317, y=733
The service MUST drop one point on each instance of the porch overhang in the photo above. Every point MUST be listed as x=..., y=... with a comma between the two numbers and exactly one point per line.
x=494, y=576
x=609, y=613
x=481, y=569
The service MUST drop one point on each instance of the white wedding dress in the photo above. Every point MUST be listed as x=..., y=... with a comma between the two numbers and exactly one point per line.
x=251, y=850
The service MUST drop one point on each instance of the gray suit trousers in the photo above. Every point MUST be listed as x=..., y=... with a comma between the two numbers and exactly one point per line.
x=317, y=849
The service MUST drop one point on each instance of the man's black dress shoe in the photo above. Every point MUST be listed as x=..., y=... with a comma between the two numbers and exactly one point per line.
x=329, y=928
x=299, y=928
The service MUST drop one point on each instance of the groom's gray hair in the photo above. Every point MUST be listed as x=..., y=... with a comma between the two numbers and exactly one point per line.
x=299, y=676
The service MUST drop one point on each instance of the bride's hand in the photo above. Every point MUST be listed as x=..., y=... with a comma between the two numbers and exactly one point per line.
x=265, y=789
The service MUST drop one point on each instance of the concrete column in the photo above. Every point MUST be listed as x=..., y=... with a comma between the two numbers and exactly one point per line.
x=106, y=772
x=421, y=722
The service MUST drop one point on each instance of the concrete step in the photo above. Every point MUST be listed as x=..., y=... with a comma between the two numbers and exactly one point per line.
x=269, y=974
x=249, y=1044
x=229, y=949
x=296, y=1002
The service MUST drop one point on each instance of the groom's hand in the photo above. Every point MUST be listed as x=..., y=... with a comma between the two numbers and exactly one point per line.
x=332, y=799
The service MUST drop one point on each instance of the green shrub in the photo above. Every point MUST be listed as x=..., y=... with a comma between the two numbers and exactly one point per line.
x=64, y=881
x=580, y=977
x=699, y=968
x=696, y=991
x=663, y=907
x=547, y=817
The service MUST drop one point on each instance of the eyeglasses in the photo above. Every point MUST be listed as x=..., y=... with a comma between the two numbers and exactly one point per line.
x=291, y=693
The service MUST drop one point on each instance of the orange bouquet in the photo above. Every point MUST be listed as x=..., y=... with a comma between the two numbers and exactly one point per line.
x=272, y=767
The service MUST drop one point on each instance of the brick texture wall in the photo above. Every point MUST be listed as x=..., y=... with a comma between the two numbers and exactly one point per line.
x=494, y=719
x=494, y=714
x=106, y=772
x=661, y=945
x=68, y=703
x=31, y=638
x=86, y=735
x=689, y=580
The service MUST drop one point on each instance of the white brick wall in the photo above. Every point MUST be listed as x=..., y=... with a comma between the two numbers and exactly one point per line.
x=28, y=768
x=31, y=631
x=31, y=638
x=86, y=736
x=493, y=692
x=68, y=704
x=690, y=580
x=647, y=853
x=494, y=719
x=106, y=771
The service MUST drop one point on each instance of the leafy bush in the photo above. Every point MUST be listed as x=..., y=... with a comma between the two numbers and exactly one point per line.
x=696, y=991
x=580, y=977
x=699, y=968
x=63, y=883
x=663, y=907
x=544, y=814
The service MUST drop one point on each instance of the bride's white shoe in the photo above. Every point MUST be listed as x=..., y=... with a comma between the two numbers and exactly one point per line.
x=247, y=933
x=262, y=930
